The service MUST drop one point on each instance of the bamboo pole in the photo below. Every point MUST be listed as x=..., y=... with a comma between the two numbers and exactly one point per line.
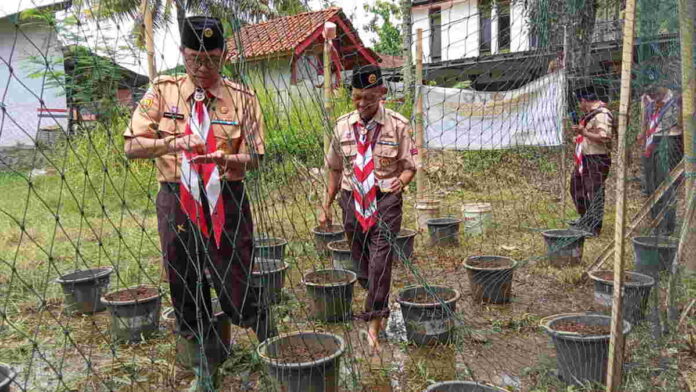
x=329, y=34
x=688, y=32
x=420, y=138
x=615, y=370
x=564, y=123
x=149, y=32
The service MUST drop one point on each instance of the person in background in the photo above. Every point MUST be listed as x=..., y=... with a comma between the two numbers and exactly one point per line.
x=371, y=160
x=662, y=145
x=593, y=135
x=204, y=133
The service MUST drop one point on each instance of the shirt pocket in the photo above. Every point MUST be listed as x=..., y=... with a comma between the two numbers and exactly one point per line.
x=386, y=155
x=228, y=134
x=171, y=127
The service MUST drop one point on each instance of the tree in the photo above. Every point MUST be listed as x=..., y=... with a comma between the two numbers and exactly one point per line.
x=386, y=16
x=550, y=19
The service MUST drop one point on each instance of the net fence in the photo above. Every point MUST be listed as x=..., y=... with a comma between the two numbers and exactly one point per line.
x=492, y=269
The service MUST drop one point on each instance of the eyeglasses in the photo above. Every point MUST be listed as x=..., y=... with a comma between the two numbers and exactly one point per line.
x=198, y=61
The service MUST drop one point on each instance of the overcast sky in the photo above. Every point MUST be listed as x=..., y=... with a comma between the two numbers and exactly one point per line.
x=115, y=38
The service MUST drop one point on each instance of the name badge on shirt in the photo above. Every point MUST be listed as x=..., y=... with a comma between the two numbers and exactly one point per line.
x=177, y=116
x=223, y=122
x=386, y=143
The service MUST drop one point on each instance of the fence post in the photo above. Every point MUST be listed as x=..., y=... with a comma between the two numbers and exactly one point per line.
x=420, y=138
x=616, y=342
x=687, y=33
x=329, y=34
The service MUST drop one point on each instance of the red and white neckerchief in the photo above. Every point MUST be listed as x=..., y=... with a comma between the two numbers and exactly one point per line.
x=579, y=139
x=364, y=180
x=193, y=175
x=654, y=118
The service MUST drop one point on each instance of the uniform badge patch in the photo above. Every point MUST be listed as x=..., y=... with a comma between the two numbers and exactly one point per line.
x=208, y=32
x=146, y=103
x=414, y=151
x=372, y=78
x=385, y=161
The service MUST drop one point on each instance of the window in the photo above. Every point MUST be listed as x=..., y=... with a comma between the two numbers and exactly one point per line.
x=485, y=26
x=435, y=35
x=503, y=8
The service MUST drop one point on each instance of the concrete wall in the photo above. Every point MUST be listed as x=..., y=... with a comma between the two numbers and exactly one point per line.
x=20, y=94
x=460, y=29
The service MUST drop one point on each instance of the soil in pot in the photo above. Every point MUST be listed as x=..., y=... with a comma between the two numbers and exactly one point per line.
x=490, y=263
x=427, y=298
x=609, y=275
x=341, y=245
x=301, y=353
x=132, y=294
x=582, y=329
x=328, y=277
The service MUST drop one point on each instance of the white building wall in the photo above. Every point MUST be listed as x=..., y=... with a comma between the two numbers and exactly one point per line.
x=421, y=20
x=519, y=28
x=460, y=29
x=21, y=95
x=460, y=33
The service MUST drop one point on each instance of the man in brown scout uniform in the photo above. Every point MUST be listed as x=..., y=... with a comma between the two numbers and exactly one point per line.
x=662, y=143
x=204, y=133
x=592, y=161
x=371, y=160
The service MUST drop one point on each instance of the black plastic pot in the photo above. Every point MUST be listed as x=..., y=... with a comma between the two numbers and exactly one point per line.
x=136, y=319
x=342, y=258
x=318, y=375
x=582, y=358
x=462, y=386
x=654, y=254
x=564, y=247
x=7, y=377
x=331, y=301
x=636, y=293
x=404, y=244
x=270, y=248
x=323, y=238
x=83, y=290
x=269, y=276
x=428, y=323
x=444, y=231
x=490, y=283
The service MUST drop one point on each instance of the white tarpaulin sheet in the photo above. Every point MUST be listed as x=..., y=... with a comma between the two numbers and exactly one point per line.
x=464, y=119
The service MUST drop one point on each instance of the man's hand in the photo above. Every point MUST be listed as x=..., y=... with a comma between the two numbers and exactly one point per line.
x=578, y=129
x=325, y=217
x=190, y=143
x=397, y=185
x=217, y=157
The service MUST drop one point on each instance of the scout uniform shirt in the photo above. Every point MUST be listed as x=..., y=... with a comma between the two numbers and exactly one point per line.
x=600, y=124
x=671, y=121
x=234, y=111
x=393, y=153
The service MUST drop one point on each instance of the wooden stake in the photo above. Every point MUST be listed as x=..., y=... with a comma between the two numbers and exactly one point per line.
x=420, y=138
x=615, y=370
x=687, y=12
x=327, y=96
x=149, y=32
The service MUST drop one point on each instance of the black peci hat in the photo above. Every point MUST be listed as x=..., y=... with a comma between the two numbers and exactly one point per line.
x=202, y=33
x=367, y=76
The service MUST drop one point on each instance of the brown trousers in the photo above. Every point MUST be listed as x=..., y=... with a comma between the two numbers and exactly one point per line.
x=587, y=190
x=373, y=250
x=187, y=254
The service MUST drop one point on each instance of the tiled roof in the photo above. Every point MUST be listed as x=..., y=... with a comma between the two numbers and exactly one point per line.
x=389, y=61
x=279, y=35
